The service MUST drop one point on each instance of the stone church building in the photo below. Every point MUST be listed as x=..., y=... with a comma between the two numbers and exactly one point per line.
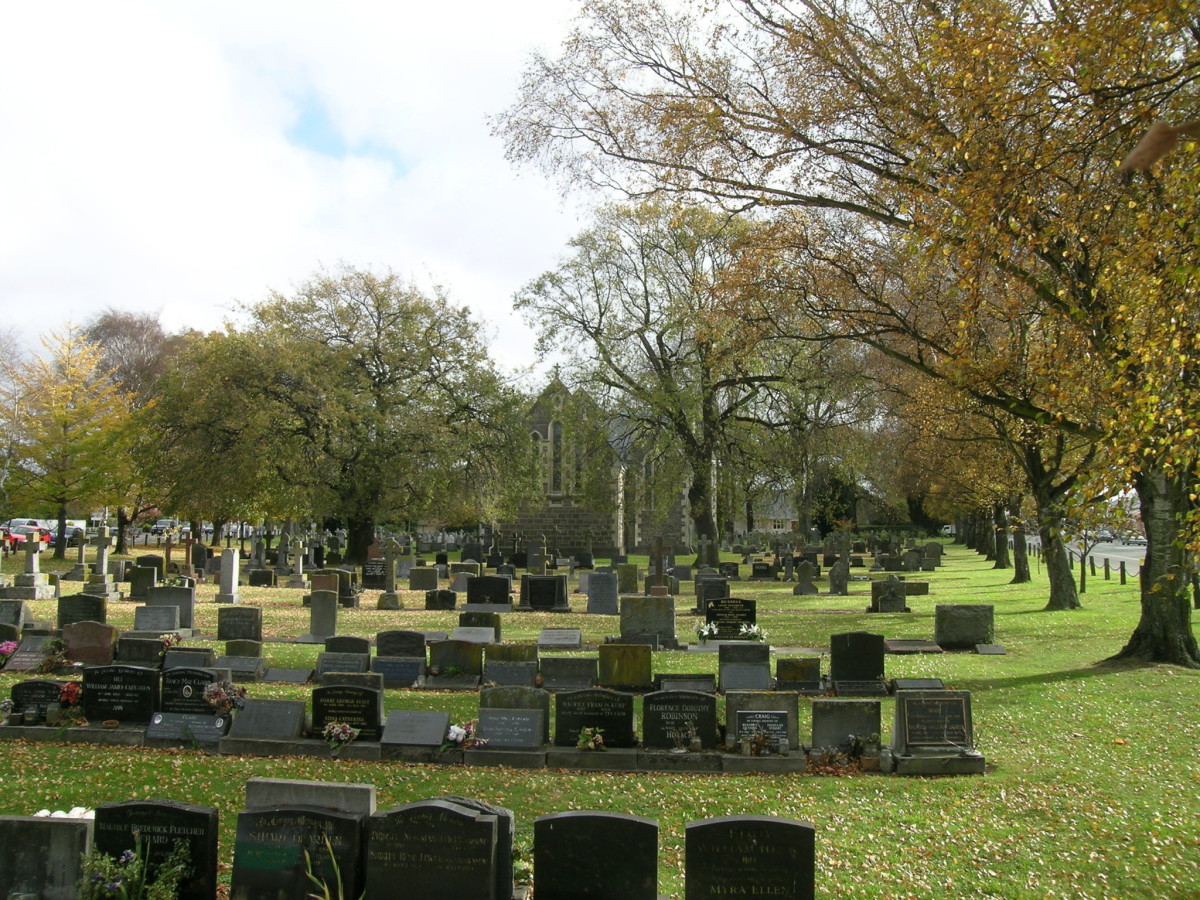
x=602, y=505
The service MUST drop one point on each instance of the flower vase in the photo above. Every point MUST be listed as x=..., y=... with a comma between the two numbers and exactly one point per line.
x=54, y=714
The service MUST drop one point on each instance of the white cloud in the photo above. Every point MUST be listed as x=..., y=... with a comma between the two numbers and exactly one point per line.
x=145, y=162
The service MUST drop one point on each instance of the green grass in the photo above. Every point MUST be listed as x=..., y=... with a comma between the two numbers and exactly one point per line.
x=1092, y=790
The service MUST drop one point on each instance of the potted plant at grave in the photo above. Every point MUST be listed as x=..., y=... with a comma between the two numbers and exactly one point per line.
x=750, y=632
x=706, y=632
x=224, y=696
x=6, y=710
x=70, y=706
x=128, y=877
x=7, y=649
x=54, y=657
x=337, y=735
x=463, y=737
x=591, y=739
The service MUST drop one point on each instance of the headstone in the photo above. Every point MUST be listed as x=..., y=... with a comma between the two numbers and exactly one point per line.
x=271, y=720
x=490, y=620
x=243, y=647
x=731, y=615
x=519, y=698
x=510, y=672
x=512, y=729
x=560, y=639
x=602, y=594
x=838, y=724
x=35, y=694
x=359, y=707
x=933, y=734
x=962, y=626
x=141, y=579
x=160, y=825
x=239, y=623
x=602, y=855
x=744, y=667
x=805, y=573
x=544, y=592
x=348, y=643
x=183, y=690
x=466, y=656
x=856, y=657
x=374, y=575
x=230, y=565
x=139, y=651
x=243, y=668
x=701, y=682
x=839, y=577
x=709, y=588
x=495, y=590
x=341, y=662
x=435, y=849
x=274, y=848
x=159, y=619
x=670, y=718
x=888, y=596
x=649, y=616
x=91, y=643
x=29, y=656
x=123, y=693
x=81, y=608
x=441, y=600
x=594, y=708
x=416, y=728
x=627, y=666
x=184, y=598
x=322, y=617
x=763, y=701
x=423, y=578
x=399, y=671
x=627, y=578
x=740, y=855
x=400, y=643
x=802, y=674
x=42, y=857
x=568, y=673
x=763, y=725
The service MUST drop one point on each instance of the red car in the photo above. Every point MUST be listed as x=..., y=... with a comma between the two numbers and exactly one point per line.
x=16, y=536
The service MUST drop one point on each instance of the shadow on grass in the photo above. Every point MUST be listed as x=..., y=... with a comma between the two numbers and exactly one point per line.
x=1103, y=667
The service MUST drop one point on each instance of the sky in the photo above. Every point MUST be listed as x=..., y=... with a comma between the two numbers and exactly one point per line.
x=182, y=158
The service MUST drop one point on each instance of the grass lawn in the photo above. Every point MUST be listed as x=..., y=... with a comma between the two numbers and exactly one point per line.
x=1092, y=789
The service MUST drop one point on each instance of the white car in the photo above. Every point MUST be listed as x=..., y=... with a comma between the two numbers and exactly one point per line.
x=1138, y=539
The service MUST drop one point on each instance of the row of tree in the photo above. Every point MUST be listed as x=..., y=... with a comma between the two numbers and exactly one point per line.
x=941, y=183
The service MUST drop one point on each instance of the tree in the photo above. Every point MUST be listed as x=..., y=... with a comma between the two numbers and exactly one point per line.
x=980, y=139
x=635, y=306
x=71, y=426
x=356, y=398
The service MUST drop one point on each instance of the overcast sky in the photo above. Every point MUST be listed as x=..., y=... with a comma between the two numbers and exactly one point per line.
x=177, y=157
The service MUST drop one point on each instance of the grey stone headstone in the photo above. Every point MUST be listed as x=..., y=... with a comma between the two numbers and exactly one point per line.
x=416, y=727
x=42, y=857
x=835, y=722
x=962, y=626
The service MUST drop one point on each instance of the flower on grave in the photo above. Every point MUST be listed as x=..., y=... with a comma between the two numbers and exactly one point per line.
x=128, y=877
x=463, y=737
x=7, y=649
x=70, y=693
x=338, y=734
x=224, y=696
x=752, y=632
x=706, y=631
x=591, y=739
x=169, y=640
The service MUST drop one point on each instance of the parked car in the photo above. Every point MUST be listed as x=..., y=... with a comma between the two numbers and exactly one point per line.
x=948, y=531
x=1138, y=539
x=16, y=536
x=162, y=526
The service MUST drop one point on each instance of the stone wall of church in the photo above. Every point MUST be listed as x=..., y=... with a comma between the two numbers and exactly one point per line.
x=574, y=523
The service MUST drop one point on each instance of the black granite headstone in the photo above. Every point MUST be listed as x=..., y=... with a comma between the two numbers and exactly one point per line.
x=669, y=717
x=273, y=848
x=123, y=693
x=750, y=855
x=161, y=824
x=594, y=708
x=599, y=855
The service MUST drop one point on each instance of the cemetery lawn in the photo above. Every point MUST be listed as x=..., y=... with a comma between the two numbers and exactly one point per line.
x=1092, y=788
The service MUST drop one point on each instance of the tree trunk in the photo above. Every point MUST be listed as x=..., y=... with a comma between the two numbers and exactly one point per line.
x=122, y=531
x=1164, y=632
x=1021, y=574
x=1058, y=566
x=1000, y=536
x=360, y=533
x=60, y=540
x=987, y=535
x=218, y=528
x=700, y=508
